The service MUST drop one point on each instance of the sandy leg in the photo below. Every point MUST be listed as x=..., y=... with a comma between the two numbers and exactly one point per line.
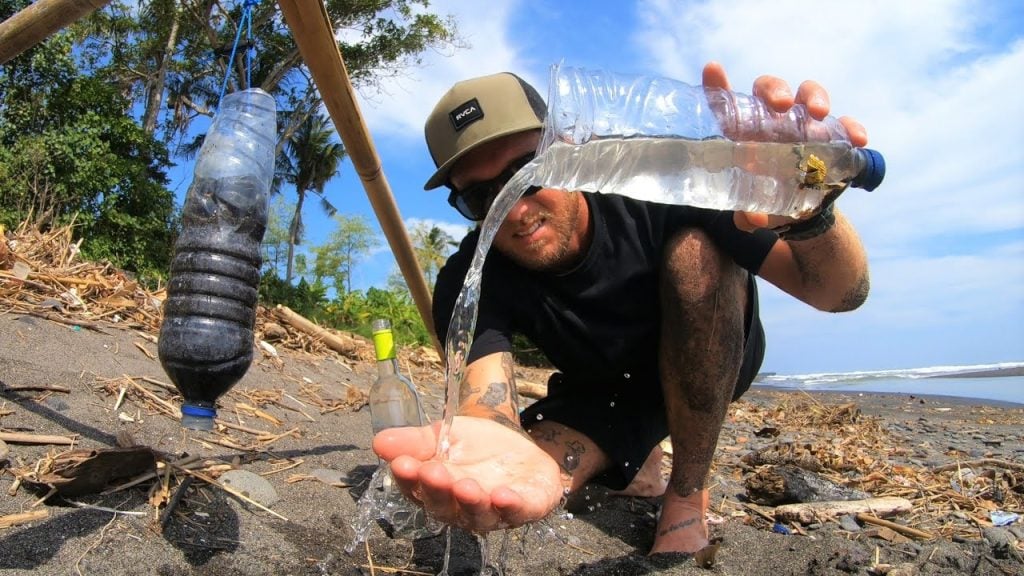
x=682, y=526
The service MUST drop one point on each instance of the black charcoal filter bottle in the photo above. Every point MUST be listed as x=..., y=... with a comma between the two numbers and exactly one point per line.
x=206, y=339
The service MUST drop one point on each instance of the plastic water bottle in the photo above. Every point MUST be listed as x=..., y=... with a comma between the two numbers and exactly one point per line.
x=206, y=339
x=663, y=140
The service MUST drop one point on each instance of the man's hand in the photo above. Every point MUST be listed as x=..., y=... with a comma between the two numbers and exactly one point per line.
x=493, y=478
x=777, y=95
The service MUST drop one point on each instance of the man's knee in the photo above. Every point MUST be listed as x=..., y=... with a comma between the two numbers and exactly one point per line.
x=695, y=269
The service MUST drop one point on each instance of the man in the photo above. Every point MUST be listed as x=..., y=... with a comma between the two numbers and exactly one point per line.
x=649, y=312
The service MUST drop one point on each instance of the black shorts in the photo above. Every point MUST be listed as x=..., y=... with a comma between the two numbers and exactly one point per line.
x=628, y=423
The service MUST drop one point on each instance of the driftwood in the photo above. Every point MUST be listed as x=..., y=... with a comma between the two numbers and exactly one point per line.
x=89, y=471
x=774, y=485
x=337, y=342
x=34, y=388
x=905, y=530
x=22, y=518
x=993, y=462
x=811, y=512
x=21, y=438
x=531, y=389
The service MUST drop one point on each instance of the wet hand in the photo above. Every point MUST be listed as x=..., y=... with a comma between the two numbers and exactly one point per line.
x=493, y=478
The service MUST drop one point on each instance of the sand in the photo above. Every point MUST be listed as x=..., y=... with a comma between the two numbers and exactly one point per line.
x=211, y=532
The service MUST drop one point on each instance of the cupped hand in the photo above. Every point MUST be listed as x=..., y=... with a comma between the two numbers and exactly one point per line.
x=493, y=477
x=777, y=94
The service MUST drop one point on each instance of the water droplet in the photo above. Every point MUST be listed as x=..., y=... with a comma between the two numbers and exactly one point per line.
x=590, y=508
x=626, y=376
x=612, y=404
x=626, y=464
x=540, y=416
x=586, y=498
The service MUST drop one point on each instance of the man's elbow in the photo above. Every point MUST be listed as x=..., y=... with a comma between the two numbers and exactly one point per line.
x=852, y=298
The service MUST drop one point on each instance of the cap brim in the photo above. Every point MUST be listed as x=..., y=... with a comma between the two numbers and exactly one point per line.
x=440, y=177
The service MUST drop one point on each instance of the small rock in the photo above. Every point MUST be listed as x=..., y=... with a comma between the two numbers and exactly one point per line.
x=253, y=486
x=849, y=523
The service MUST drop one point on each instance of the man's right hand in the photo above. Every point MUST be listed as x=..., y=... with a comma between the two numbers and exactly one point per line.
x=493, y=478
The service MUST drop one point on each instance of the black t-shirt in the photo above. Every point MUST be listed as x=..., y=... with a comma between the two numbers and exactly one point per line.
x=600, y=320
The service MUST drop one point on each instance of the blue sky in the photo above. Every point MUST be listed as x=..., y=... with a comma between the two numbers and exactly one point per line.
x=938, y=85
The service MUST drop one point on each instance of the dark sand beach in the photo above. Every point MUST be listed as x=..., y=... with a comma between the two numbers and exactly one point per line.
x=298, y=417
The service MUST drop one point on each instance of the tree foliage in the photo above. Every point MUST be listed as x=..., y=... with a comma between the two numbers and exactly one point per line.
x=92, y=119
x=311, y=159
x=351, y=241
x=70, y=152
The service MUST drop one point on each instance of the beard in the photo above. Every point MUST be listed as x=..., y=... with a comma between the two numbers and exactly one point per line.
x=554, y=252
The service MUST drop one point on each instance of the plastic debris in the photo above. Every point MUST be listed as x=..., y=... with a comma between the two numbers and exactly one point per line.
x=1003, y=518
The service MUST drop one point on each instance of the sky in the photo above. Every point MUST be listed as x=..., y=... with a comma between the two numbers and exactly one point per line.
x=938, y=84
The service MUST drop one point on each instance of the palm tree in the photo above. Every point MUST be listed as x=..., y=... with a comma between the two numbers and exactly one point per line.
x=432, y=246
x=310, y=160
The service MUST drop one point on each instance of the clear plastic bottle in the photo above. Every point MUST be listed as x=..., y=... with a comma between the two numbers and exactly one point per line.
x=206, y=338
x=664, y=140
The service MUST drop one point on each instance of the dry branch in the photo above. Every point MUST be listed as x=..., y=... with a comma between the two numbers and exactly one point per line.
x=342, y=344
x=811, y=512
x=22, y=438
x=23, y=518
x=905, y=530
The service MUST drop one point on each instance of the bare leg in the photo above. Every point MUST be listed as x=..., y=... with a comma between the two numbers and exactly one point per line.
x=703, y=297
x=649, y=481
x=577, y=455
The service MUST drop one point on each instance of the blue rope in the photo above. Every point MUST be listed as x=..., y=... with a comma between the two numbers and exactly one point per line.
x=245, y=24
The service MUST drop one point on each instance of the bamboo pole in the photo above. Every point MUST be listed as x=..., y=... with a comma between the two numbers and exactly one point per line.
x=313, y=32
x=36, y=21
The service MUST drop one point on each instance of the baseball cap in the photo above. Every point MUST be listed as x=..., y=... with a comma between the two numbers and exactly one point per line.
x=476, y=111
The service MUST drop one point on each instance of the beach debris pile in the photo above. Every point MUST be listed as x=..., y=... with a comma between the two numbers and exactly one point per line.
x=830, y=463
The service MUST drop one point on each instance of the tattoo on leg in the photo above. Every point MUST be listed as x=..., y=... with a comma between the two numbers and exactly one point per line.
x=573, y=451
x=678, y=526
x=545, y=434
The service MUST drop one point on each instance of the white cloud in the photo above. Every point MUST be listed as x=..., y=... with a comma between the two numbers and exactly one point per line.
x=403, y=103
x=911, y=72
x=940, y=100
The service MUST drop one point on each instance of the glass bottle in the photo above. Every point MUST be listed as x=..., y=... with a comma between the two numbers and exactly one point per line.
x=393, y=399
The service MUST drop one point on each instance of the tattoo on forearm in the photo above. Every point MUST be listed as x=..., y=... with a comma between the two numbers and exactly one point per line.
x=496, y=394
x=509, y=366
x=678, y=526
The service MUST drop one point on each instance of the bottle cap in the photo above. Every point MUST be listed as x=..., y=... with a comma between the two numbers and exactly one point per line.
x=197, y=417
x=874, y=170
x=383, y=340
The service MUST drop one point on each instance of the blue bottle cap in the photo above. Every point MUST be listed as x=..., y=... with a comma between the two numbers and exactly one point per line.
x=874, y=170
x=197, y=417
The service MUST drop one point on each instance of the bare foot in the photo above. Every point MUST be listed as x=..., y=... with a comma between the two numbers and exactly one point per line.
x=682, y=526
x=649, y=481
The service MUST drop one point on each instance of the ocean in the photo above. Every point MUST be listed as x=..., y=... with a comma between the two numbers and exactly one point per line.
x=990, y=382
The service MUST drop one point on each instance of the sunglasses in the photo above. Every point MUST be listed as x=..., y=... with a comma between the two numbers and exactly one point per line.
x=475, y=200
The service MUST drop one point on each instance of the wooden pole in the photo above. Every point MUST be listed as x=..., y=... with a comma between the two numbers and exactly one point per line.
x=36, y=21
x=313, y=32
